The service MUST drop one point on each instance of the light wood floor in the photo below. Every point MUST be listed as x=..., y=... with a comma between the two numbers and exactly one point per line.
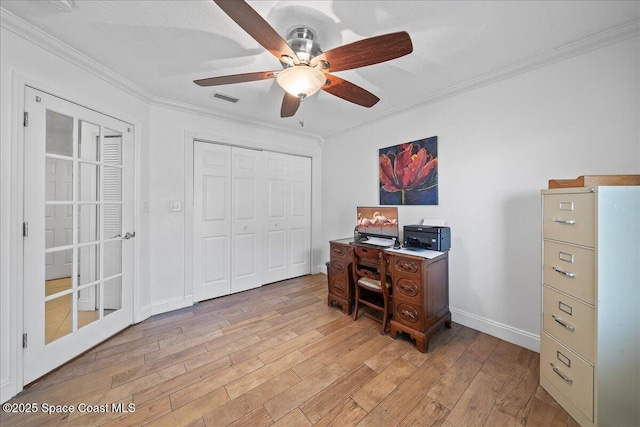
x=278, y=355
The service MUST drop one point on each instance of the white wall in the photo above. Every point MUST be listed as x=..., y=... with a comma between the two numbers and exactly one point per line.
x=171, y=135
x=498, y=145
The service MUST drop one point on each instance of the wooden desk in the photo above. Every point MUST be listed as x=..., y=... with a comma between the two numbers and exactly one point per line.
x=339, y=277
x=420, y=289
x=420, y=294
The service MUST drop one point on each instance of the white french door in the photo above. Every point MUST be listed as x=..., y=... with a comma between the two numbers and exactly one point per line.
x=78, y=213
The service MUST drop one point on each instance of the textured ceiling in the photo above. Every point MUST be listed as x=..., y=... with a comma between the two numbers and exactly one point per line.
x=162, y=46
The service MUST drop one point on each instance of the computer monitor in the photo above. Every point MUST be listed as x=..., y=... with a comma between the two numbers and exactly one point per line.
x=377, y=221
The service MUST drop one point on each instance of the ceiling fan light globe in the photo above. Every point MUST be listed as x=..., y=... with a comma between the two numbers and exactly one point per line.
x=301, y=80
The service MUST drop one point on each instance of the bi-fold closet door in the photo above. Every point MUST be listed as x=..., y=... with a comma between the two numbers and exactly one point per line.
x=251, y=218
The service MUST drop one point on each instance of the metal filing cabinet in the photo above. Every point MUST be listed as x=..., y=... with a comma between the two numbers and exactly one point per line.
x=590, y=340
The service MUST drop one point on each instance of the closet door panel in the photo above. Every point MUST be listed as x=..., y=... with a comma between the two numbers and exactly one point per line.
x=247, y=228
x=212, y=220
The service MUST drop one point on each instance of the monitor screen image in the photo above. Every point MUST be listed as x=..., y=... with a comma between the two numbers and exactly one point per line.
x=378, y=221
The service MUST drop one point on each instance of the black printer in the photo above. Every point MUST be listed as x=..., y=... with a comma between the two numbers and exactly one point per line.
x=430, y=237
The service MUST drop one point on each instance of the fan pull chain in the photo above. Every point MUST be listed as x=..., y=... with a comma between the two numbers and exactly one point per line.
x=301, y=118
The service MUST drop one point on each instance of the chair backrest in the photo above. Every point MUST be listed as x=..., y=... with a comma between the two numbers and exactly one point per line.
x=371, y=262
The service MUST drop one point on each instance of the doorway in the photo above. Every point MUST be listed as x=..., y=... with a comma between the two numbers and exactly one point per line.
x=78, y=229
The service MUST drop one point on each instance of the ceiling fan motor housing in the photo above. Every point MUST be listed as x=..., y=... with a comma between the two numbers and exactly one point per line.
x=303, y=42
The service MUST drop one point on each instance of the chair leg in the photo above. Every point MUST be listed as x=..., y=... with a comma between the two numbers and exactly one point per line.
x=385, y=316
x=357, y=304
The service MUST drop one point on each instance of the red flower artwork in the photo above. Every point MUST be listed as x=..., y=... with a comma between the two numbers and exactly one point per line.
x=409, y=167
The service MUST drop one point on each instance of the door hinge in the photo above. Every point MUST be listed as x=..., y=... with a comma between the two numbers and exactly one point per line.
x=25, y=229
x=26, y=119
x=24, y=340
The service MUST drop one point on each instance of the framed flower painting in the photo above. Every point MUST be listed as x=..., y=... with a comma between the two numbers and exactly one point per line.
x=409, y=173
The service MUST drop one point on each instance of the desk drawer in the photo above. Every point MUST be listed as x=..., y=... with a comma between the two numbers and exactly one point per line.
x=570, y=321
x=338, y=251
x=570, y=269
x=408, y=289
x=405, y=266
x=569, y=218
x=571, y=375
x=408, y=314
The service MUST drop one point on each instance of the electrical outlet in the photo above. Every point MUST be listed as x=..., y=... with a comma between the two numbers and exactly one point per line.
x=175, y=206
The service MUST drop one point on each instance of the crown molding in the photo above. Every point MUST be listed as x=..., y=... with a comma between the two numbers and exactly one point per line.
x=35, y=35
x=49, y=43
x=201, y=111
x=623, y=32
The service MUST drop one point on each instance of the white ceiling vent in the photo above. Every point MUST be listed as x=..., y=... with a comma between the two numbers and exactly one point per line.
x=225, y=97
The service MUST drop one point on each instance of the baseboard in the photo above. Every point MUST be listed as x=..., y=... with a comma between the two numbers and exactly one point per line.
x=171, y=304
x=7, y=390
x=499, y=330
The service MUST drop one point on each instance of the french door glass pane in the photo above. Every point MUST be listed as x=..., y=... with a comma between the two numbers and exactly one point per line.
x=59, y=138
x=112, y=147
x=57, y=318
x=88, y=223
x=112, y=221
x=59, y=226
x=88, y=309
x=89, y=182
x=89, y=263
x=112, y=295
x=55, y=286
x=58, y=180
x=88, y=141
x=112, y=258
x=112, y=184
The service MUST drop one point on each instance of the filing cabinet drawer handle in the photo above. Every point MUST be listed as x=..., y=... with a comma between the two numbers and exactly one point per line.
x=557, y=371
x=562, y=322
x=564, y=221
x=564, y=273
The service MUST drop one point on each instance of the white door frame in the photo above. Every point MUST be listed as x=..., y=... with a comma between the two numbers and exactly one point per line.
x=15, y=383
x=316, y=231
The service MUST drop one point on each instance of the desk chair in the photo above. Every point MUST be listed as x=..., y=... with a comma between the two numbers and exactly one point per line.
x=372, y=285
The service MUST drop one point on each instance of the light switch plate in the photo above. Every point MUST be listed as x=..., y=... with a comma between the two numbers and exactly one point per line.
x=175, y=206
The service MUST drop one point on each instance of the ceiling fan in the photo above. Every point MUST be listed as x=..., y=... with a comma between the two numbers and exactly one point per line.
x=305, y=67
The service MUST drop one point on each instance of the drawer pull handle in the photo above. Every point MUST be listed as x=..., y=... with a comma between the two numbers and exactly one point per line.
x=408, y=314
x=561, y=322
x=564, y=273
x=564, y=221
x=338, y=287
x=557, y=371
x=410, y=289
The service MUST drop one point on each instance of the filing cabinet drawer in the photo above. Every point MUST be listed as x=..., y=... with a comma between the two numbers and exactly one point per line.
x=571, y=375
x=570, y=269
x=569, y=218
x=570, y=321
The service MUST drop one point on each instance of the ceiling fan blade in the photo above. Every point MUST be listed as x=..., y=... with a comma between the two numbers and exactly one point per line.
x=350, y=92
x=367, y=52
x=290, y=105
x=250, y=21
x=236, y=78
